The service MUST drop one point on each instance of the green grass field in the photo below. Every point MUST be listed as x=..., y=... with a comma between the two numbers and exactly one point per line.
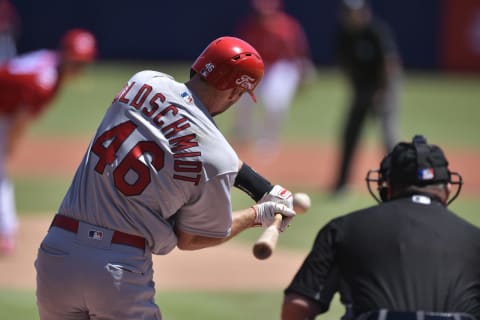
x=443, y=107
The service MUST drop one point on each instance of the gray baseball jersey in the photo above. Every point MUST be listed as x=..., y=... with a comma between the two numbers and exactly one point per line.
x=157, y=159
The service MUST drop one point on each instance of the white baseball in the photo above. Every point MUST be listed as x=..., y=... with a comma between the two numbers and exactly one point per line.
x=301, y=202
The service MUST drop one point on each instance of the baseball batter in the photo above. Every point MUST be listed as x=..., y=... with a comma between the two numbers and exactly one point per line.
x=157, y=175
x=28, y=83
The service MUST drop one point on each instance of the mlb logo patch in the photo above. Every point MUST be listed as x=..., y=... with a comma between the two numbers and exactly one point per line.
x=188, y=98
x=426, y=174
x=95, y=234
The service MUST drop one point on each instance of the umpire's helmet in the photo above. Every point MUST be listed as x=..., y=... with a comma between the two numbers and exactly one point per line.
x=413, y=164
x=229, y=62
x=78, y=45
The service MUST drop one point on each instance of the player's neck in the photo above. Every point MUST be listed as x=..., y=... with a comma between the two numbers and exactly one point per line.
x=207, y=94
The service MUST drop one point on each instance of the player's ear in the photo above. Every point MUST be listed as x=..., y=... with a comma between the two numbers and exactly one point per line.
x=448, y=188
x=236, y=93
x=448, y=191
x=385, y=191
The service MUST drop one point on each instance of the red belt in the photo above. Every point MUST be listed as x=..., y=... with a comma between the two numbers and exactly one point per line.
x=71, y=224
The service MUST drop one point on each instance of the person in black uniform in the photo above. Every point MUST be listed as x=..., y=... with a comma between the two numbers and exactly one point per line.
x=369, y=58
x=407, y=258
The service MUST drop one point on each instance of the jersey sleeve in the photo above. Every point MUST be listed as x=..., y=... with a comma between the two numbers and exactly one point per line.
x=210, y=214
x=29, y=82
x=318, y=277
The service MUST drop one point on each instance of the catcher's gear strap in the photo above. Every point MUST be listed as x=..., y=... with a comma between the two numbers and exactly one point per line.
x=252, y=183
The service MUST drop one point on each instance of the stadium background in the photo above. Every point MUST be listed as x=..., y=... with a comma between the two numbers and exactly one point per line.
x=432, y=34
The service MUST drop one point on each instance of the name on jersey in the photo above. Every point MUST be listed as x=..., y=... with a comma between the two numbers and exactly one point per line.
x=151, y=105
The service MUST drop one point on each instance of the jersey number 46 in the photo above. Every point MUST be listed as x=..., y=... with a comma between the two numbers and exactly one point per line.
x=115, y=137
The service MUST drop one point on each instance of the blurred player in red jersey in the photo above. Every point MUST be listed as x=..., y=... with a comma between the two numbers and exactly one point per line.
x=28, y=83
x=282, y=43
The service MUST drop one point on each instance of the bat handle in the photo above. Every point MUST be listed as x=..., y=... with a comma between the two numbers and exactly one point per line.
x=265, y=245
x=277, y=222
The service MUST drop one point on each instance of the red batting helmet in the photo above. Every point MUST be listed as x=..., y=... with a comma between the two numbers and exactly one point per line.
x=230, y=62
x=79, y=45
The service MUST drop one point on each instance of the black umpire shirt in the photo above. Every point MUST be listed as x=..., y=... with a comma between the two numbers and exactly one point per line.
x=405, y=255
x=362, y=52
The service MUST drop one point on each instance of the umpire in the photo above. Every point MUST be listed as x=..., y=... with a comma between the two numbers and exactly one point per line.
x=407, y=258
x=367, y=54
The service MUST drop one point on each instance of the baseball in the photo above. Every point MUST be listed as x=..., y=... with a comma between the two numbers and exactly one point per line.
x=301, y=202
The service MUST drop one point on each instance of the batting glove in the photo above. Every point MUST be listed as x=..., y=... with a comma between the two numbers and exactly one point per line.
x=280, y=195
x=265, y=214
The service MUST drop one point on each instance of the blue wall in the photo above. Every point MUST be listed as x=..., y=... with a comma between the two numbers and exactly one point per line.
x=179, y=30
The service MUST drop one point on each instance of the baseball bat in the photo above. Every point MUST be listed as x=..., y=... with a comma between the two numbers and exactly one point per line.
x=266, y=243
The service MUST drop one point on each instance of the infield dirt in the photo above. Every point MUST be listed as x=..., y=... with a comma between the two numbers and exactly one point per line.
x=230, y=266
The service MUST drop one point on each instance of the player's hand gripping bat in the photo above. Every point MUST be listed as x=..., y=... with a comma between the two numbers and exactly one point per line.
x=267, y=241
